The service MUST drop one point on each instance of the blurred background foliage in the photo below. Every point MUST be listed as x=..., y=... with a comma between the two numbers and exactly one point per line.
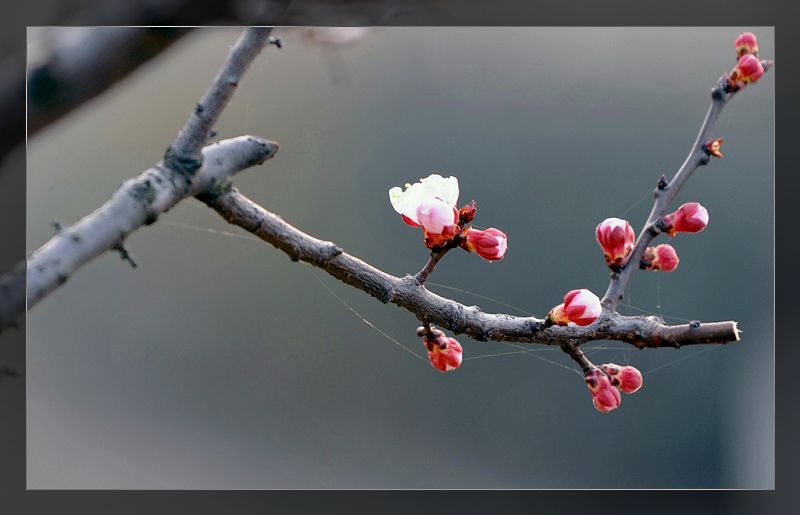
x=218, y=363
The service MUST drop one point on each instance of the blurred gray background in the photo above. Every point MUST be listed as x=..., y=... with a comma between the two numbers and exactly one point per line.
x=220, y=364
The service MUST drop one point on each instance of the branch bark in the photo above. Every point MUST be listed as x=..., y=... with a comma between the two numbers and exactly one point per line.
x=136, y=202
x=408, y=293
x=184, y=153
x=184, y=171
x=666, y=192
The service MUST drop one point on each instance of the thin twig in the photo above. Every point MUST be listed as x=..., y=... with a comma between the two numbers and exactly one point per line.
x=574, y=352
x=434, y=258
x=184, y=153
x=665, y=193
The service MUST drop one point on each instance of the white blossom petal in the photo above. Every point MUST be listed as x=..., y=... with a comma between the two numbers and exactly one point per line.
x=444, y=189
x=426, y=190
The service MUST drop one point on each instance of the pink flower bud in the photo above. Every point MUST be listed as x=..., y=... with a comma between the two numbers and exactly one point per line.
x=580, y=307
x=748, y=69
x=746, y=43
x=434, y=215
x=605, y=396
x=490, y=244
x=690, y=217
x=662, y=257
x=627, y=378
x=444, y=353
x=616, y=237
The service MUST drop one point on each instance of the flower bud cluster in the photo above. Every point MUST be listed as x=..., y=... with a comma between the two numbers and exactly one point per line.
x=430, y=204
x=617, y=239
x=749, y=68
x=605, y=383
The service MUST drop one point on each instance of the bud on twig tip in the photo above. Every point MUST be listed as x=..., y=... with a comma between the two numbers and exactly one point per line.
x=616, y=237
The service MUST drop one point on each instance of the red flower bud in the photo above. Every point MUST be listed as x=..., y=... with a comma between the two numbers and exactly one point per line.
x=580, y=307
x=627, y=378
x=713, y=148
x=746, y=43
x=662, y=257
x=616, y=237
x=444, y=353
x=467, y=213
x=748, y=69
x=605, y=396
x=490, y=244
x=690, y=217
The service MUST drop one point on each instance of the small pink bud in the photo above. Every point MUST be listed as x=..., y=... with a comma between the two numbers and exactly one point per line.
x=690, y=217
x=714, y=147
x=746, y=43
x=435, y=215
x=662, y=257
x=444, y=353
x=580, y=307
x=616, y=237
x=748, y=69
x=490, y=244
x=627, y=378
x=605, y=396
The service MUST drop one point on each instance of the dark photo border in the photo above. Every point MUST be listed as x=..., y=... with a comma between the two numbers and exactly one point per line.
x=782, y=15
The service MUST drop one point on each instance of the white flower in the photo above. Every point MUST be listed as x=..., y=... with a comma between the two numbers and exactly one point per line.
x=423, y=203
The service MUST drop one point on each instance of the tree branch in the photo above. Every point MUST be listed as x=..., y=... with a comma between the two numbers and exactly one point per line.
x=184, y=171
x=666, y=192
x=184, y=153
x=136, y=202
x=408, y=293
